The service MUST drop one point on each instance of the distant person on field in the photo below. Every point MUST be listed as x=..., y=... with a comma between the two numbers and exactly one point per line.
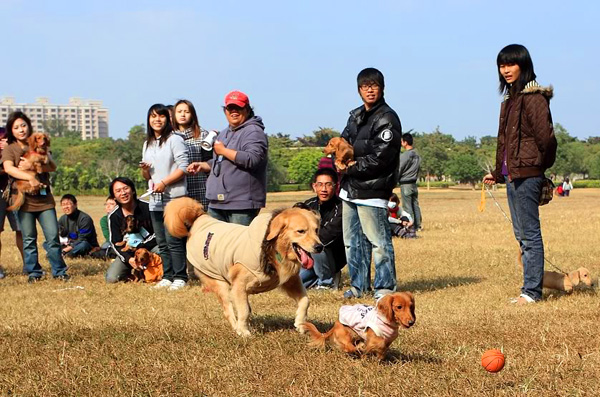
x=410, y=165
x=77, y=228
x=237, y=183
x=526, y=148
x=329, y=263
x=400, y=221
x=567, y=186
x=105, y=250
x=374, y=131
x=122, y=190
x=10, y=215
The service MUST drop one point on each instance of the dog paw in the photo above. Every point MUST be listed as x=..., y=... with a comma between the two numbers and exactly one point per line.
x=244, y=333
x=300, y=328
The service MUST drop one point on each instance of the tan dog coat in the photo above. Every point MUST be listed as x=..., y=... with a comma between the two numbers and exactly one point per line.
x=221, y=244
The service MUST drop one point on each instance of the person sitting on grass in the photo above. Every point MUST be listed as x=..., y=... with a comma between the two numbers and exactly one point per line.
x=122, y=190
x=325, y=272
x=106, y=250
x=76, y=229
x=400, y=221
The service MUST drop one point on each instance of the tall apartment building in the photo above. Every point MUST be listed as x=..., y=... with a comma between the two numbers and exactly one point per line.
x=86, y=116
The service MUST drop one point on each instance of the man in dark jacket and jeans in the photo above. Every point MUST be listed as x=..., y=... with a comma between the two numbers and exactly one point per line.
x=410, y=165
x=327, y=264
x=77, y=228
x=375, y=132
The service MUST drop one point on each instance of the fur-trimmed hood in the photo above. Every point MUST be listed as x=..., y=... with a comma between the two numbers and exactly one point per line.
x=534, y=88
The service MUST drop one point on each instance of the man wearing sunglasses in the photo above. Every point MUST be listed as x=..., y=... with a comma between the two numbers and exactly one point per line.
x=325, y=272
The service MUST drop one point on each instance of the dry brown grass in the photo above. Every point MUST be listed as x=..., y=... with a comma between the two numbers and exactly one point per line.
x=128, y=340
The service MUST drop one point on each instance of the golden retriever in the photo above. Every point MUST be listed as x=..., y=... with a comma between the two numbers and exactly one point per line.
x=343, y=151
x=234, y=261
x=367, y=329
x=37, y=156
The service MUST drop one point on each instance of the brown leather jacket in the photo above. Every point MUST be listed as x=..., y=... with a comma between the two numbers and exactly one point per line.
x=526, y=133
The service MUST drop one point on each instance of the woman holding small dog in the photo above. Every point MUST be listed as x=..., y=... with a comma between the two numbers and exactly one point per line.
x=526, y=148
x=237, y=183
x=164, y=164
x=40, y=207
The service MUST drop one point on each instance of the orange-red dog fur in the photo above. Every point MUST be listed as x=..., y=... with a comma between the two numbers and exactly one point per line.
x=37, y=156
x=148, y=266
x=343, y=151
x=398, y=307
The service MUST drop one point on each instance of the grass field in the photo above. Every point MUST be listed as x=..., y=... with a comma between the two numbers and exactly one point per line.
x=88, y=338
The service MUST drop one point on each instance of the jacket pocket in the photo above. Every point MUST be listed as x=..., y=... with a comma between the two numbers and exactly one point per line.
x=529, y=155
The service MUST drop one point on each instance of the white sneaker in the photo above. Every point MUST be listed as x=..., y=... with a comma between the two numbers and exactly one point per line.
x=164, y=283
x=177, y=285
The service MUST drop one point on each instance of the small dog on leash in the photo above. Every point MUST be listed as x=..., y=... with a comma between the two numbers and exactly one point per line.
x=131, y=234
x=343, y=151
x=368, y=329
x=567, y=282
x=564, y=281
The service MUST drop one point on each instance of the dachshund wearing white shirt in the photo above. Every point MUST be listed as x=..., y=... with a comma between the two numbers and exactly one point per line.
x=368, y=329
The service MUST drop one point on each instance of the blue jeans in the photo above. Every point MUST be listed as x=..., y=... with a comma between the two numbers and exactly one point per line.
x=366, y=232
x=239, y=217
x=172, y=250
x=321, y=273
x=49, y=224
x=523, y=201
x=80, y=249
x=410, y=202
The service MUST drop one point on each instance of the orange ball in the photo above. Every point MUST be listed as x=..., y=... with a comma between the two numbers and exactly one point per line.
x=493, y=360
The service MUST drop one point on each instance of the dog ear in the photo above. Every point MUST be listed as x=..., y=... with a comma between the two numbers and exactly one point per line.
x=574, y=276
x=47, y=140
x=278, y=223
x=31, y=141
x=384, y=306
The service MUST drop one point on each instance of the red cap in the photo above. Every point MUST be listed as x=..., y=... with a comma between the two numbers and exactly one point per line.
x=237, y=98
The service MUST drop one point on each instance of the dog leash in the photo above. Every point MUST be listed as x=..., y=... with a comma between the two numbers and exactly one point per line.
x=481, y=208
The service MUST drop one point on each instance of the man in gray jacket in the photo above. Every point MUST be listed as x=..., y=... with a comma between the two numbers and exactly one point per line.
x=410, y=164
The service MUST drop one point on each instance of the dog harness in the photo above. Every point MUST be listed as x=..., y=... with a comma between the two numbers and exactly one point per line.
x=361, y=317
x=214, y=246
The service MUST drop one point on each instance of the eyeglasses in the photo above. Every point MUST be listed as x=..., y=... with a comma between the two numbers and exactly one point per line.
x=367, y=87
x=231, y=108
x=122, y=190
x=328, y=185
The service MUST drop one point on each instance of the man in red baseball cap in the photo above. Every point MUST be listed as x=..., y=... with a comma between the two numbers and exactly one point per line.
x=237, y=98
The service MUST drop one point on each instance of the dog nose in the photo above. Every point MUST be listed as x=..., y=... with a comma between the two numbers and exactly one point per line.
x=318, y=248
x=411, y=323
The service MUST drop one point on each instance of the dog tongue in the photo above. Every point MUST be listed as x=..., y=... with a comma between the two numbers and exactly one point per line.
x=307, y=261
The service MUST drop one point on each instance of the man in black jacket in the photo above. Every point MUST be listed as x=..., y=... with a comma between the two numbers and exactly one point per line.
x=375, y=132
x=122, y=190
x=327, y=264
x=76, y=228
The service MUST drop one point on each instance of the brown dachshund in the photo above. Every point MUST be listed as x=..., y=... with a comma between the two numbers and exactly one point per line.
x=130, y=226
x=37, y=156
x=148, y=266
x=342, y=150
x=367, y=329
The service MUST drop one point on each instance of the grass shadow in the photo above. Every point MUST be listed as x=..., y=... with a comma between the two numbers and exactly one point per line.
x=434, y=284
x=396, y=357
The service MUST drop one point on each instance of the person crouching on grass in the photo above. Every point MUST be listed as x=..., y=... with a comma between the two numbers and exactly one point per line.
x=526, y=149
x=78, y=228
x=327, y=264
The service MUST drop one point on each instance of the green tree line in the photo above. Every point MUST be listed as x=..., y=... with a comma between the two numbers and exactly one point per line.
x=88, y=166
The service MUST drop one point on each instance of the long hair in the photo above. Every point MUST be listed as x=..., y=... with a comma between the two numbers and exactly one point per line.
x=515, y=54
x=14, y=116
x=162, y=110
x=194, y=124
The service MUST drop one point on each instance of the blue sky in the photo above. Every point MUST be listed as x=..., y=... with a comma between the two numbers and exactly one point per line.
x=298, y=61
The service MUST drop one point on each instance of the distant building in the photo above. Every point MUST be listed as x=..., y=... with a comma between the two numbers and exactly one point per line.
x=86, y=116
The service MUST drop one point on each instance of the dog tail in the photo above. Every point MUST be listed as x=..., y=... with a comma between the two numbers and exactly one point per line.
x=18, y=202
x=180, y=215
x=317, y=338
